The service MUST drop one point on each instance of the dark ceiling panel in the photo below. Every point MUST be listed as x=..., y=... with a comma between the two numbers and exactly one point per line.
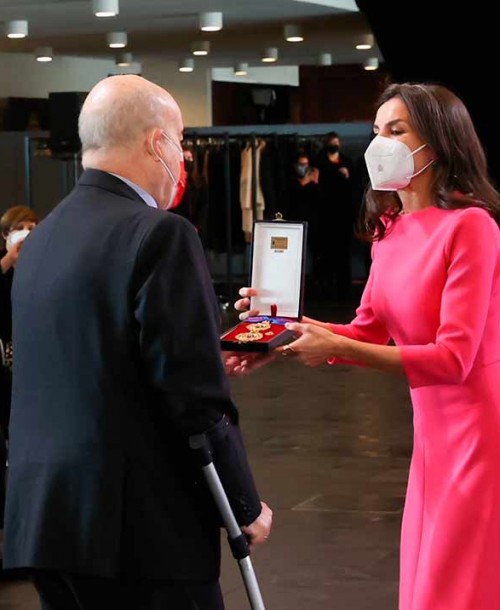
x=444, y=42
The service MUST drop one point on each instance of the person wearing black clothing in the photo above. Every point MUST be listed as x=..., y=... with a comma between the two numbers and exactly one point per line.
x=193, y=205
x=304, y=203
x=14, y=224
x=119, y=366
x=337, y=219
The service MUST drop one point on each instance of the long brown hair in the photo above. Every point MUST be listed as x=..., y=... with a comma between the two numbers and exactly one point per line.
x=460, y=172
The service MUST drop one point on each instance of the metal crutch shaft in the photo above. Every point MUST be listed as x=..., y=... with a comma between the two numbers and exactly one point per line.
x=237, y=540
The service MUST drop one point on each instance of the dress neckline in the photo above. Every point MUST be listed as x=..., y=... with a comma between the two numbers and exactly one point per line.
x=420, y=212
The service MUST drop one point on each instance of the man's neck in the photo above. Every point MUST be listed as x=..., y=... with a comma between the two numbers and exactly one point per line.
x=114, y=162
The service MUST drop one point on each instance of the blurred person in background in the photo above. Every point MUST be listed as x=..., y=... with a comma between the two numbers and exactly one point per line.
x=15, y=225
x=304, y=204
x=337, y=216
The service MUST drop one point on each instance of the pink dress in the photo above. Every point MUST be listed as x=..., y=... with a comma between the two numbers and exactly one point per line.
x=435, y=289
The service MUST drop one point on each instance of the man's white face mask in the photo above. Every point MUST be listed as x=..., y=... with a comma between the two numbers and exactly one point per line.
x=180, y=184
x=390, y=164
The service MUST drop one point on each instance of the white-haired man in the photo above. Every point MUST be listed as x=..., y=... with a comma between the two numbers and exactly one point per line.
x=117, y=363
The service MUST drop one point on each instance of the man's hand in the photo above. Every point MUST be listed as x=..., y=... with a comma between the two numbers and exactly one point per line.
x=258, y=531
x=240, y=363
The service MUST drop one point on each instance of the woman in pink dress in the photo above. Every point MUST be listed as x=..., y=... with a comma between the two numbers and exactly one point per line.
x=434, y=288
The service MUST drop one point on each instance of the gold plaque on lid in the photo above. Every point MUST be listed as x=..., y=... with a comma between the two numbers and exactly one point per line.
x=279, y=243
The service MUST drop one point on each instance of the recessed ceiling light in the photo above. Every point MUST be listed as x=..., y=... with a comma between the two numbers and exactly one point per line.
x=364, y=42
x=117, y=40
x=241, y=69
x=270, y=55
x=293, y=33
x=186, y=65
x=16, y=29
x=325, y=59
x=106, y=8
x=211, y=22
x=371, y=63
x=200, y=48
x=124, y=60
x=44, y=54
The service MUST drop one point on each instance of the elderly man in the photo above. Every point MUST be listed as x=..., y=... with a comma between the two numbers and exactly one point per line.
x=117, y=362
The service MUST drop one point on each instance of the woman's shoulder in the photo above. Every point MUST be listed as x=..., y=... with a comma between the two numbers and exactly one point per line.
x=475, y=216
x=472, y=226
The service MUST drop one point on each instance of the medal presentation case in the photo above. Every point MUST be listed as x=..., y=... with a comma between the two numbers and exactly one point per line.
x=278, y=271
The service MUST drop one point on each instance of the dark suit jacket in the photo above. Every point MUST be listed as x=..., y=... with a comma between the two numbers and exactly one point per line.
x=117, y=361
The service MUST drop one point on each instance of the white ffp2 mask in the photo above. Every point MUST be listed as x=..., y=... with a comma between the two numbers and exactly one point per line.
x=390, y=164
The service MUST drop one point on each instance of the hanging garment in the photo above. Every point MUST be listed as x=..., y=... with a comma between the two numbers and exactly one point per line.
x=246, y=187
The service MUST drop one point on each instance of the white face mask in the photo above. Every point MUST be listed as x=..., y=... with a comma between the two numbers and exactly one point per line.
x=15, y=237
x=390, y=164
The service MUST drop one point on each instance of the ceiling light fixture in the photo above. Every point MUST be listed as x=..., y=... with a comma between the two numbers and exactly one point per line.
x=325, y=59
x=124, y=60
x=293, y=33
x=44, y=54
x=186, y=65
x=117, y=40
x=210, y=22
x=106, y=8
x=270, y=55
x=241, y=69
x=16, y=29
x=371, y=63
x=364, y=42
x=200, y=48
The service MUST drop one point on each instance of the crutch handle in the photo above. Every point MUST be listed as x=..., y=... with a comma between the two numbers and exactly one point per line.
x=239, y=546
x=202, y=448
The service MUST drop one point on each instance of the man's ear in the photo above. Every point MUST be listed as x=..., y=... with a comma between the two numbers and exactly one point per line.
x=151, y=144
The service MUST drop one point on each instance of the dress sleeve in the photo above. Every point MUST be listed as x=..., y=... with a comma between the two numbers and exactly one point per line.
x=471, y=254
x=365, y=327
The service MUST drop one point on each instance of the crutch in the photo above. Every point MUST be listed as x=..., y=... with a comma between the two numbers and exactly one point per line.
x=237, y=540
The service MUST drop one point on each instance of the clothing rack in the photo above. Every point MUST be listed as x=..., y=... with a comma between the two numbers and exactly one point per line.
x=354, y=134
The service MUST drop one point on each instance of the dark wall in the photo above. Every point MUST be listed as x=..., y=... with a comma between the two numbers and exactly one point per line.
x=449, y=43
x=25, y=114
x=330, y=94
x=337, y=94
x=233, y=104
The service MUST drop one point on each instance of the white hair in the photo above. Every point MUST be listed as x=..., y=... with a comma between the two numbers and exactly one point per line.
x=120, y=116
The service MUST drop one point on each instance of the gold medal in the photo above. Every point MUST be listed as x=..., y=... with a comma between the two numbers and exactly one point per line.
x=264, y=325
x=249, y=337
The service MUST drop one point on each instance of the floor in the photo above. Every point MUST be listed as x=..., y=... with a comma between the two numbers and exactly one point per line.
x=330, y=451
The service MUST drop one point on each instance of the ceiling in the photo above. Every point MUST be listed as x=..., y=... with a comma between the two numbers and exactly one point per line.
x=168, y=27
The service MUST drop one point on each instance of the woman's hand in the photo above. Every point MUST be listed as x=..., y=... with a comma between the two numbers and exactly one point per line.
x=10, y=258
x=244, y=303
x=315, y=345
